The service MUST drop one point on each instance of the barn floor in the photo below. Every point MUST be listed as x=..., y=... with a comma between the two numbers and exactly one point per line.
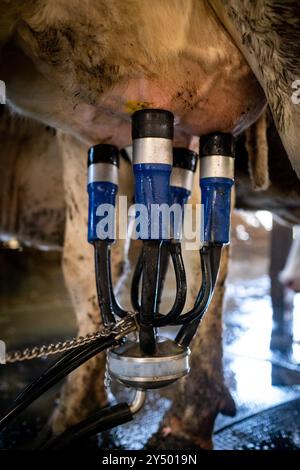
x=34, y=308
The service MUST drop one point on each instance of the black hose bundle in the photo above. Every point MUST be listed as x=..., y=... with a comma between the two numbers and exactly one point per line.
x=210, y=256
x=108, y=304
x=167, y=249
x=102, y=420
x=57, y=371
x=212, y=259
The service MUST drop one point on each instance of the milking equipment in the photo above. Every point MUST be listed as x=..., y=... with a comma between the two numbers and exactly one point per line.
x=139, y=355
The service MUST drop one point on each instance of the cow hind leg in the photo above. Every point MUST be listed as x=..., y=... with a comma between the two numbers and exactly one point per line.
x=202, y=394
x=84, y=389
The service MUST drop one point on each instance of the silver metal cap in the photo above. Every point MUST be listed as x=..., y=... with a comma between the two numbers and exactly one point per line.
x=128, y=365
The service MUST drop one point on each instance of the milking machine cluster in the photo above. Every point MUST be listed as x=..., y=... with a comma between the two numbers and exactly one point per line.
x=163, y=177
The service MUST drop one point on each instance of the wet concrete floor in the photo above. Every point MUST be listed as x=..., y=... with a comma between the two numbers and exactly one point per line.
x=35, y=308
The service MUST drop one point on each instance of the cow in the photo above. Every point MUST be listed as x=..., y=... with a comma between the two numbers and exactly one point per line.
x=84, y=67
x=290, y=275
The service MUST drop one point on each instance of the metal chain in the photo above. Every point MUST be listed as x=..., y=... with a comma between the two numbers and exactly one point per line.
x=107, y=378
x=118, y=330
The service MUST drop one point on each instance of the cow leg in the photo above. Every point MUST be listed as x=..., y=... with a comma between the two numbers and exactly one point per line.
x=202, y=394
x=282, y=299
x=84, y=388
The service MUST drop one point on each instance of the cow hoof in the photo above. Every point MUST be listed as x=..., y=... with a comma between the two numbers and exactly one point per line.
x=173, y=434
x=227, y=404
x=192, y=425
x=160, y=441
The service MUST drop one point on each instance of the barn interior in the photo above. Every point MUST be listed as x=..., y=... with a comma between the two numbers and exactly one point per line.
x=114, y=336
x=261, y=352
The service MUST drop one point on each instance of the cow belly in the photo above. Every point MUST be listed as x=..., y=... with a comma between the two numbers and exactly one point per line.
x=215, y=104
x=201, y=104
x=87, y=75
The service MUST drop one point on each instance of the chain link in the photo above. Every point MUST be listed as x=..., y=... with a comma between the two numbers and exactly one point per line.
x=118, y=330
x=107, y=378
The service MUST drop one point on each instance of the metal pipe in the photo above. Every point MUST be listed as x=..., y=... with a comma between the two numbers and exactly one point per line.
x=138, y=402
x=102, y=420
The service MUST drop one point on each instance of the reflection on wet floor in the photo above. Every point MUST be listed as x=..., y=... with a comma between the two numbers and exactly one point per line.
x=34, y=307
x=257, y=376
